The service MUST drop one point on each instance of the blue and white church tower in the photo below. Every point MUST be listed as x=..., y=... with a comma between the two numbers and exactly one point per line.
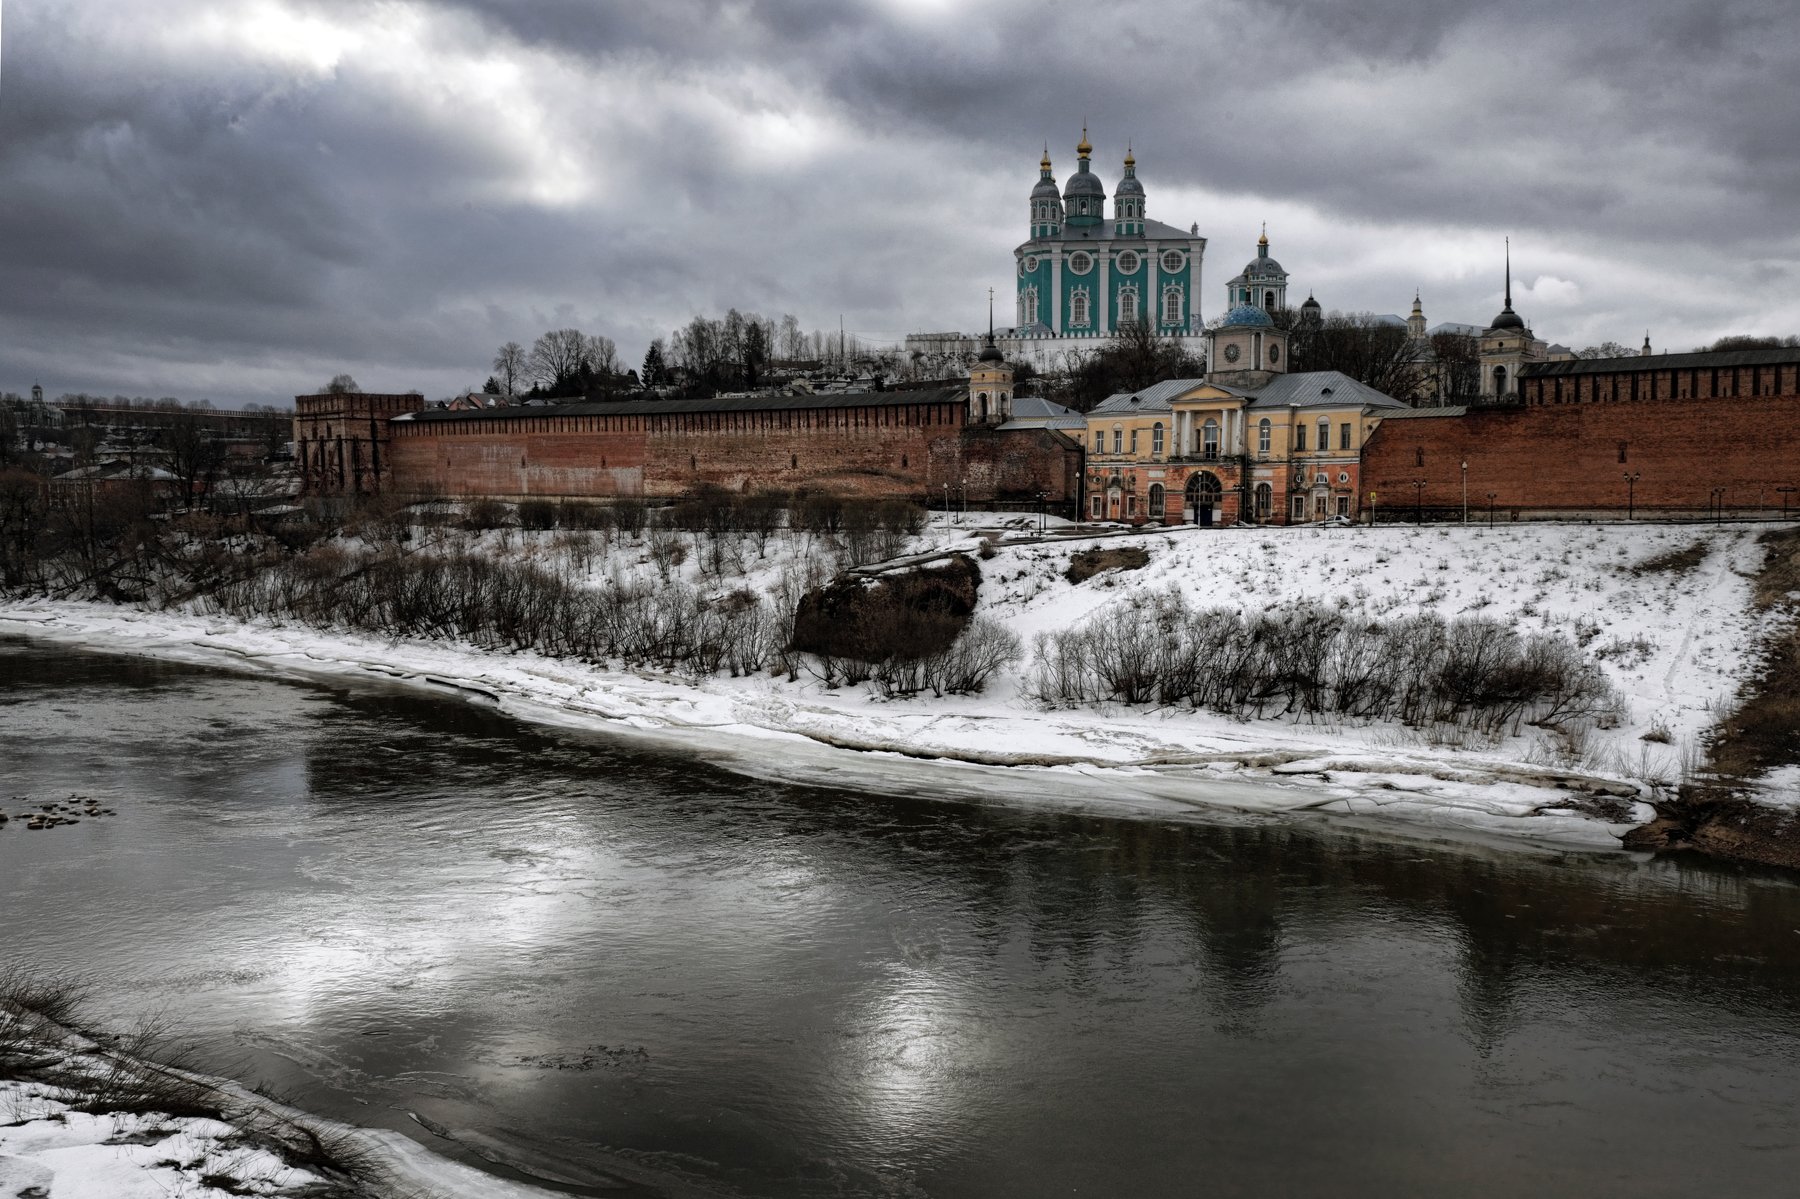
x=1082, y=276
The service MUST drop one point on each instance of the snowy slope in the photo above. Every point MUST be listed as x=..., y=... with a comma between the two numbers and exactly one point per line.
x=1675, y=642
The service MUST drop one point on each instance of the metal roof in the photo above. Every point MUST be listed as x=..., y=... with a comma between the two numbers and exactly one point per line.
x=1320, y=389
x=1027, y=407
x=756, y=403
x=1703, y=360
x=1153, y=231
x=1154, y=398
x=1073, y=421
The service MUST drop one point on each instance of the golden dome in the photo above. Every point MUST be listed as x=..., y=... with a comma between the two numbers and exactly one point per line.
x=1130, y=160
x=1084, y=149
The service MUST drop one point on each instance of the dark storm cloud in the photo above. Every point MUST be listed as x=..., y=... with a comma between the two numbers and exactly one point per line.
x=238, y=200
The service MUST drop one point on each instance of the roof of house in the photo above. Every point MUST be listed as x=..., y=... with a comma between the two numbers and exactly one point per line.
x=769, y=402
x=1024, y=407
x=1703, y=360
x=116, y=469
x=1154, y=398
x=1320, y=389
x=1308, y=389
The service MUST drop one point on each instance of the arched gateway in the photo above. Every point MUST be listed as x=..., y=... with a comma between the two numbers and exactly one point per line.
x=1203, y=495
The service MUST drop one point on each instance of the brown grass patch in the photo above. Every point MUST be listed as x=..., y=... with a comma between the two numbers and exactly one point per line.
x=1780, y=576
x=1088, y=563
x=1675, y=562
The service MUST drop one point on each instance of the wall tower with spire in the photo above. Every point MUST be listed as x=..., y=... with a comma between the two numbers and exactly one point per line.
x=1506, y=346
x=990, y=380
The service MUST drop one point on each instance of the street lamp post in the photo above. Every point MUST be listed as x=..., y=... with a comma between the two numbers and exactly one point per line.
x=1491, y=496
x=1718, y=504
x=1465, y=468
x=1418, y=501
x=1631, y=478
x=1784, y=492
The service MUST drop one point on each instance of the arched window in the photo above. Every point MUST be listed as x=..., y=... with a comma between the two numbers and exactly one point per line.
x=1156, y=497
x=1265, y=500
x=1078, y=308
x=1209, y=438
x=1263, y=431
x=1128, y=305
x=1500, y=380
x=1269, y=300
x=1029, y=306
x=1171, y=306
x=1156, y=441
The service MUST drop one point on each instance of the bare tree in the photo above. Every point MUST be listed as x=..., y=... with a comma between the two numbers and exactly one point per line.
x=1359, y=344
x=339, y=385
x=600, y=357
x=195, y=456
x=510, y=366
x=1456, y=364
x=1133, y=359
x=556, y=359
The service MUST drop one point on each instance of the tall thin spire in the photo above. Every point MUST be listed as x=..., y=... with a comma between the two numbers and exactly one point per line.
x=1509, y=274
x=989, y=351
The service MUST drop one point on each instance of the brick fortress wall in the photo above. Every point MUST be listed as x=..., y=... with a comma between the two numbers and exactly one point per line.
x=902, y=445
x=1574, y=457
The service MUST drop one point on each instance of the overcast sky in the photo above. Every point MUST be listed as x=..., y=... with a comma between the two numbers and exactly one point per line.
x=236, y=199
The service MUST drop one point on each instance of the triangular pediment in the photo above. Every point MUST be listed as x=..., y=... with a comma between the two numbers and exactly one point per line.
x=1204, y=393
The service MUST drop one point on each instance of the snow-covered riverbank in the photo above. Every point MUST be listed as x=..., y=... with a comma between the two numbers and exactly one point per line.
x=85, y=1121
x=1673, y=639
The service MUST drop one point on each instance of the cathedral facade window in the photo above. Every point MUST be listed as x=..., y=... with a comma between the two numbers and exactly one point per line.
x=1028, y=306
x=1171, y=305
x=1173, y=261
x=1128, y=304
x=1078, y=307
x=1128, y=262
x=1080, y=262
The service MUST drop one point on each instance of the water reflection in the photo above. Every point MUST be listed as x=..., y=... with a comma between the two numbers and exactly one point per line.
x=631, y=962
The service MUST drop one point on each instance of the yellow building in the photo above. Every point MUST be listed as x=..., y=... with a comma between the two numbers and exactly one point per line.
x=1205, y=452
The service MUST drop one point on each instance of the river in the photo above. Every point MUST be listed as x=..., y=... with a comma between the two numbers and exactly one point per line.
x=636, y=973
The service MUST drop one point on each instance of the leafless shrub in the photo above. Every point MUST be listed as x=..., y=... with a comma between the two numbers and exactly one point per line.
x=1307, y=660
